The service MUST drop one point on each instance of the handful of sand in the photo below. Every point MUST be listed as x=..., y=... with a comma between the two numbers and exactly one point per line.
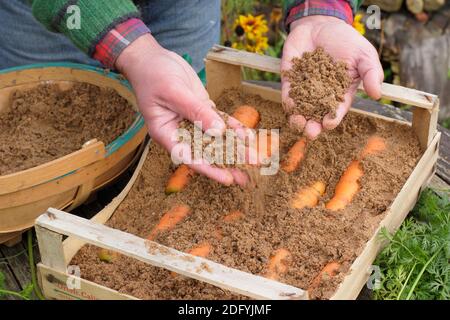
x=318, y=84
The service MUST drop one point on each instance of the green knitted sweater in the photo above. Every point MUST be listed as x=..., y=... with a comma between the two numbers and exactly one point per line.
x=85, y=22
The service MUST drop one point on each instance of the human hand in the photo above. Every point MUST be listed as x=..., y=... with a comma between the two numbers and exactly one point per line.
x=168, y=91
x=343, y=43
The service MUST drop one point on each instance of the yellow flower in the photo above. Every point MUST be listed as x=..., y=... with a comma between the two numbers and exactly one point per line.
x=253, y=26
x=259, y=45
x=358, y=25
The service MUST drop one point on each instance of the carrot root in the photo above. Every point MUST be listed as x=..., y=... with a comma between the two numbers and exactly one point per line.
x=106, y=255
x=309, y=196
x=294, y=156
x=179, y=179
x=278, y=264
x=169, y=220
x=348, y=185
x=247, y=115
x=329, y=271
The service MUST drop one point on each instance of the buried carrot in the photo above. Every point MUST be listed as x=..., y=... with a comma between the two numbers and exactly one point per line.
x=179, y=179
x=294, y=156
x=329, y=271
x=233, y=216
x=169, y=220
x=278, y=264
x=247, y=115
x=348, y=185
x=308, y=197
x=201, y=250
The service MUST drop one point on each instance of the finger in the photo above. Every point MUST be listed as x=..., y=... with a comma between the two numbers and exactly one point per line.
x=330, y=122
x=371, y=73
x=184, y=102
x=297, y=122
x=287, y=102
x=240, y=177
x=312, y=129
x=222, y=176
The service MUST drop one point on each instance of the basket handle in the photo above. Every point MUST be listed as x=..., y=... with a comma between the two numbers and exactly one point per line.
x=426, y=105
x=91, y=152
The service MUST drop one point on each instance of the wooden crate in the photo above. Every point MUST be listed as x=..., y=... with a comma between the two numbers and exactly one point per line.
x=66, y=182
x=223, y=70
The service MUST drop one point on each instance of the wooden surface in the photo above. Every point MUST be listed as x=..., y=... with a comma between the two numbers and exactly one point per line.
x=14, y=261
x=51, y=226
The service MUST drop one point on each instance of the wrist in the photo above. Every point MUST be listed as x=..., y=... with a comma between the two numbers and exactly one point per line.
x=136, y=52
x=314, y=20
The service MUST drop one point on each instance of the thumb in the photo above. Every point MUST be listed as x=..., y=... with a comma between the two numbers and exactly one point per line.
x=372, y=75
x=198, y=110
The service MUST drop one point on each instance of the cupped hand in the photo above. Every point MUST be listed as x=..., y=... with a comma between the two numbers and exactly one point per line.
x=168, y=91
x=343, y=43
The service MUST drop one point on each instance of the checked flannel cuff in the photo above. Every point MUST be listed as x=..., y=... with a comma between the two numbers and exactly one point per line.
x=336, y=8
x=111, y=46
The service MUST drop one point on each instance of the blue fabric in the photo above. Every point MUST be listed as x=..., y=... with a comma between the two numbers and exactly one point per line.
x=184, y=26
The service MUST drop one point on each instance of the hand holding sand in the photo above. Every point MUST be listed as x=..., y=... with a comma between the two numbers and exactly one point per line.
x=346, y=47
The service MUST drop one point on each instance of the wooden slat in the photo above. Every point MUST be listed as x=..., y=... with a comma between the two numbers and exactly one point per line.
x=161, y=256
x=54, y=286
x=51, y=170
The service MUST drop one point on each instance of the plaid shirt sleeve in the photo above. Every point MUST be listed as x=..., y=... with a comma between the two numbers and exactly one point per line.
x=342, y=9
x=111, y=46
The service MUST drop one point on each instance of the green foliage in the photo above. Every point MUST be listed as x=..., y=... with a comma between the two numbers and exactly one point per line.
x=25, y=294
x=446, y=123
x=415, y=264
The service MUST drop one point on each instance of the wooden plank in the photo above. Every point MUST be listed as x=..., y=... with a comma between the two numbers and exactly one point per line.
x=164, y=257
x=216, y=72
x=51, y=249
x=54, y=286
x=51, y=170
x=425, y=124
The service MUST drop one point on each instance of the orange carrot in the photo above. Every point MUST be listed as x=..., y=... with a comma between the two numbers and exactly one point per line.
x=329, y=271
x=348, y=184
x=247, y=115
x=347, y=187
x=309, y=195
x=179, y=179
x=267, y=144
x=294, y=156
x=169, y=220
x=278, y=264
x=374, y=145
x=201, y=250
x=233, y=216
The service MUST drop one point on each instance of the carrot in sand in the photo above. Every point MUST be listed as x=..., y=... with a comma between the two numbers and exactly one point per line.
x=169, y=220
x=348, y=185
x=329, y=271
x=179, y=179
x=294, y=156
x=308, y=196
x=247, y=115
x=278, y=264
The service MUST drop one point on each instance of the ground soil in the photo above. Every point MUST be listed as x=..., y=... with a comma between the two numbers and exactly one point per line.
x=314, y=236
x=318, y=84
x=48, y=122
